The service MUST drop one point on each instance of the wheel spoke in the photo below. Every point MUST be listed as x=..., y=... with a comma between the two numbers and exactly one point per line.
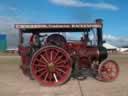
x=42, y=73
x=114, y=70
x=39, y=65
x=60, y=66
x=50, y=76
x=110, y=76
x=51, y=55
x=59, y=58
x=39, y=61
x=46, y=76
x=58, y=69
x=46, y=55
x=62, y=61
x=56, y=54
x=41, y=69
x=44, y=59
x=110, y=65
x=105, y=75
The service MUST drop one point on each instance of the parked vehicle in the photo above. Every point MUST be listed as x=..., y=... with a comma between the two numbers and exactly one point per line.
x=51, y=59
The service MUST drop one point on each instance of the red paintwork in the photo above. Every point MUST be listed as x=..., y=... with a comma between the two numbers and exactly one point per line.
x=108, y=71
x=31, y=40
x=23, y=52
x=44, y=58
x=86, y=54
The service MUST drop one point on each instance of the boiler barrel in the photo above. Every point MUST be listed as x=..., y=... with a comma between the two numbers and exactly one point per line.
x=93, y=52
x=98, y=53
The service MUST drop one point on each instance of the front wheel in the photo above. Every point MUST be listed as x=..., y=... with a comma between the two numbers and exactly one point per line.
x=108, y=70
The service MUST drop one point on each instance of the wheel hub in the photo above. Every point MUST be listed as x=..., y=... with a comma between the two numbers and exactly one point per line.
x=51, y=67
x=109, y=70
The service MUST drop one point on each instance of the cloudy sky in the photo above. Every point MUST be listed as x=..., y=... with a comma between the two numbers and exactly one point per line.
x=113, y=12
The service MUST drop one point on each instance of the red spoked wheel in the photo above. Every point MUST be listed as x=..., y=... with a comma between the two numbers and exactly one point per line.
x=51, y=66
x=108, y=71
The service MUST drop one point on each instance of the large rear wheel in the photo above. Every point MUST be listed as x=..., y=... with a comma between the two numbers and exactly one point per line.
x=51, y=66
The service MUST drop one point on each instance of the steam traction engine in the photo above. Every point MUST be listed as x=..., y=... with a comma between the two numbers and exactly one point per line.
x=51, y=59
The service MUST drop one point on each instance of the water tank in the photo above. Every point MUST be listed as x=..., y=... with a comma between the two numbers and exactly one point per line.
x=3, y=42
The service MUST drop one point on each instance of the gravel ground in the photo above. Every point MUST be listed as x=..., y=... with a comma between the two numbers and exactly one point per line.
x=14, y=83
